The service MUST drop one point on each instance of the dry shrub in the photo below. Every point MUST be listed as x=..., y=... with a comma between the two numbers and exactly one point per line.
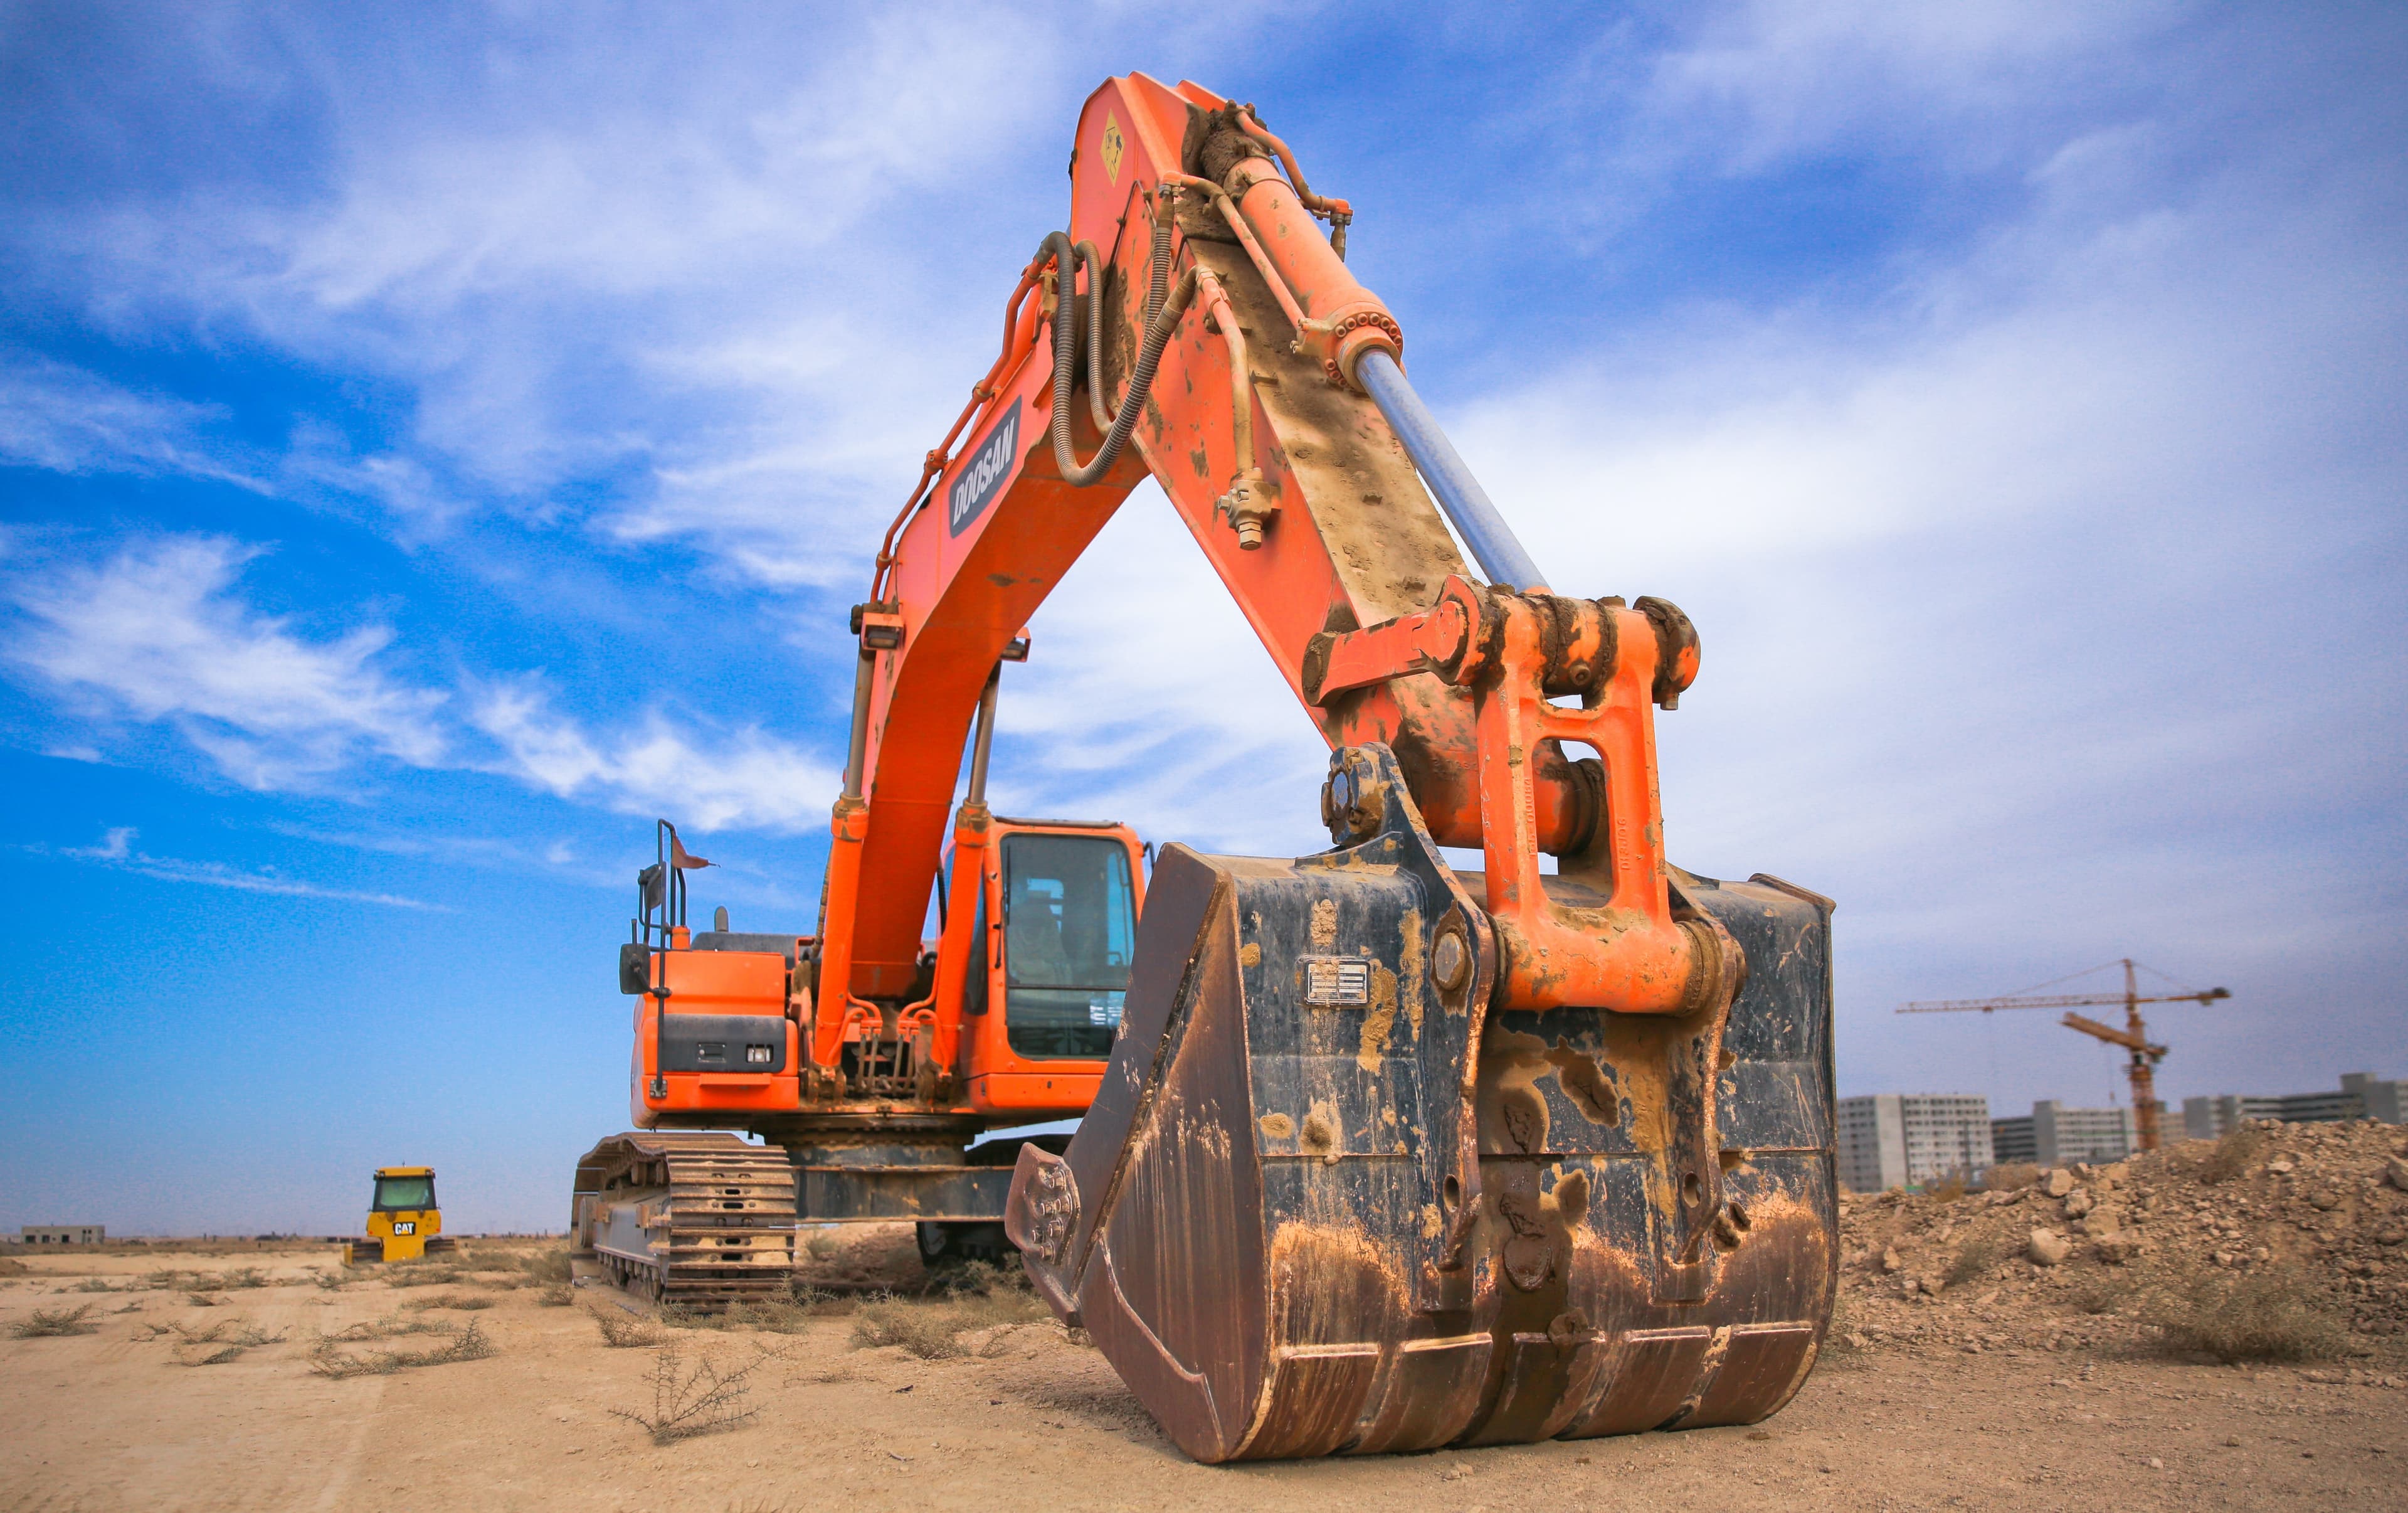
x=2010, y=1177
x=382, y=1329
x=331, y=1281
x=925, y=1330
x=2102, y=1294
x=219, y=1342
x=468, y=1344
x=90, y=1284
x=1978, y=1258
x=558, y=1296
x=2233, y=1155
x=626, y=1332
x=242, y=1277
x=702, y=1399
x=548, y=1266
x=1947, y=1188
x=422, y=1273
x=449, y=1301
x=44, y=1323
x=980, y=1297
x=2267, y=1313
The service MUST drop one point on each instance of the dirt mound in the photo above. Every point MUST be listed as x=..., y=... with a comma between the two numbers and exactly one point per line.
x=2278, y=1242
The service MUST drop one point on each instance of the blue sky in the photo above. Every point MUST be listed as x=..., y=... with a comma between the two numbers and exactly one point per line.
x=431, y=446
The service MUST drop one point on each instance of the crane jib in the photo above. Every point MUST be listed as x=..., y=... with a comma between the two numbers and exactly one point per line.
x=983, y=478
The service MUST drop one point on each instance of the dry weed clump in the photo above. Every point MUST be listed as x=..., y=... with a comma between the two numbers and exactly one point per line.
x=702, y=1399
x=385, y=1329
x=45, y=1323
x=216, y=1344
x=330, y=1360
x=91, y=1284
x=1978, y=1258
x=422, y=1274
x=454, y=1300
x=2270, y=1312
x=202, y=1300
x=557, y=1296
x=547, y=1267
x=626, y=1332
x=981, y=1298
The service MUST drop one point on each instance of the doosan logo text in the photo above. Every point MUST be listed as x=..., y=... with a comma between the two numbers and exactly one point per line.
x=979, y=483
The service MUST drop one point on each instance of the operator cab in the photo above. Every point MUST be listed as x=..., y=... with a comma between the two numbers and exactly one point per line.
x=1055, y=932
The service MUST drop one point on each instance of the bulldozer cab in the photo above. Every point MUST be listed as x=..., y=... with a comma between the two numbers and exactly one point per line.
x=1054, y=935
x=404, y=1222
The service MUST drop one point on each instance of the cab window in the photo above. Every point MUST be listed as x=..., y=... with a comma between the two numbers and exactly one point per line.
x=1070, y=927
x=405, y=1193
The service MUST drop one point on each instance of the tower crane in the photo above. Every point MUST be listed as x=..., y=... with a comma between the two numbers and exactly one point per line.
x=2135, y=1037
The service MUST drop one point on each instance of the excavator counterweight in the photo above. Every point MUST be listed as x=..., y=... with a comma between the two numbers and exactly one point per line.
x=1378, y=1153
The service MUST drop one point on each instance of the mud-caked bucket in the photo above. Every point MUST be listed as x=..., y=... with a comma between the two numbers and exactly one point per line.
x=1329, y=1201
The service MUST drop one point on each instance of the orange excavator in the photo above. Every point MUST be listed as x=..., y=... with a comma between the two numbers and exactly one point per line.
x=1377, y=1153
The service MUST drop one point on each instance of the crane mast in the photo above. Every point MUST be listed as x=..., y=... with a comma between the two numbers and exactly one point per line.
x=2141, y=1056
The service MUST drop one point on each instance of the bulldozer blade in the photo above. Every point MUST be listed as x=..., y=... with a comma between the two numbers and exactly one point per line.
x=1325, y=1201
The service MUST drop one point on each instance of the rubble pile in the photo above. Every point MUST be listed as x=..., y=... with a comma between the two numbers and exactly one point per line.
x=2068, y=1259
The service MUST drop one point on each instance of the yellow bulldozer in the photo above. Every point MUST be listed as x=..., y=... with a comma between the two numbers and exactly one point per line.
x=404, y=1223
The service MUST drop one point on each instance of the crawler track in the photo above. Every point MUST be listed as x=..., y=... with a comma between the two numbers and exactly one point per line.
x=698, y=1220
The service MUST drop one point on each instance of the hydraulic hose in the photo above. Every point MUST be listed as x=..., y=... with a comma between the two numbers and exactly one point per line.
x=1162, y=315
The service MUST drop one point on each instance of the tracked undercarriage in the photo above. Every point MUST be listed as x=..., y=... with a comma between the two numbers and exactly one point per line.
x=693, y=1218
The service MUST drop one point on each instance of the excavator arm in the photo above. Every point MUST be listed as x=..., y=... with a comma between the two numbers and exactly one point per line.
x=1386, y=1155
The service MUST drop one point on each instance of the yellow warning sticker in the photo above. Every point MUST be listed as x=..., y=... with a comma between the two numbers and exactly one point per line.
x=1112, y=145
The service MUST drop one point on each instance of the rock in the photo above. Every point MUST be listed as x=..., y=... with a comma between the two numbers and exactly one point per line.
x=2279, y=1166
x=2079, y=1201
x=2114, y=1248
x=2057, y=1183
x=2396, y=1169
x=2047, y=1248
x=1890, y=1261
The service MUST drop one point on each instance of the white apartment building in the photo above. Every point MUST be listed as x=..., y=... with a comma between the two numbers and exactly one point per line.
x=1891, y=1139
x=2362, y=1096
x=2053, y=1135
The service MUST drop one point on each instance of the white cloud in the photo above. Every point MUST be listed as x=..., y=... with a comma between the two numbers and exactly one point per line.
x=160, y=632
x=747, y=780
x=156, y=632
x=116, y=850
x=69, y=420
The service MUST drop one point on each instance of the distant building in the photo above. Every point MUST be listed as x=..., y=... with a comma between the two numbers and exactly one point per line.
x=2053, y=1135
x=63, y=1234
x=2361, y=1096
x=1891, y=1139
x=2011, y=1140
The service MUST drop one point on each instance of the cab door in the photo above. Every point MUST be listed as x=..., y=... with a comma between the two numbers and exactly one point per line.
x=1055, y=935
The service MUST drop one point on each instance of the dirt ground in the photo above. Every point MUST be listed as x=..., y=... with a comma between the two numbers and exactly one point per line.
x=140, y=1413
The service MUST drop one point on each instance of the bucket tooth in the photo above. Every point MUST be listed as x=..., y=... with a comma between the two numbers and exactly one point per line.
x=1326, y=1202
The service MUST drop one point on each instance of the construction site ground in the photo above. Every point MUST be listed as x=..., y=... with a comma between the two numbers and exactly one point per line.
x=270, y=1378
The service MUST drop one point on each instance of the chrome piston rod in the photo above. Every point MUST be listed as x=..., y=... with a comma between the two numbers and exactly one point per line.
x=1459, y=494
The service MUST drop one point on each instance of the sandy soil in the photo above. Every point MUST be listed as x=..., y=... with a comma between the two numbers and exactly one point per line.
x=112, y=1420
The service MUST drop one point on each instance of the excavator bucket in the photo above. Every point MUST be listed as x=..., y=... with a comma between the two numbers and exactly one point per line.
x=1325, y=1201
